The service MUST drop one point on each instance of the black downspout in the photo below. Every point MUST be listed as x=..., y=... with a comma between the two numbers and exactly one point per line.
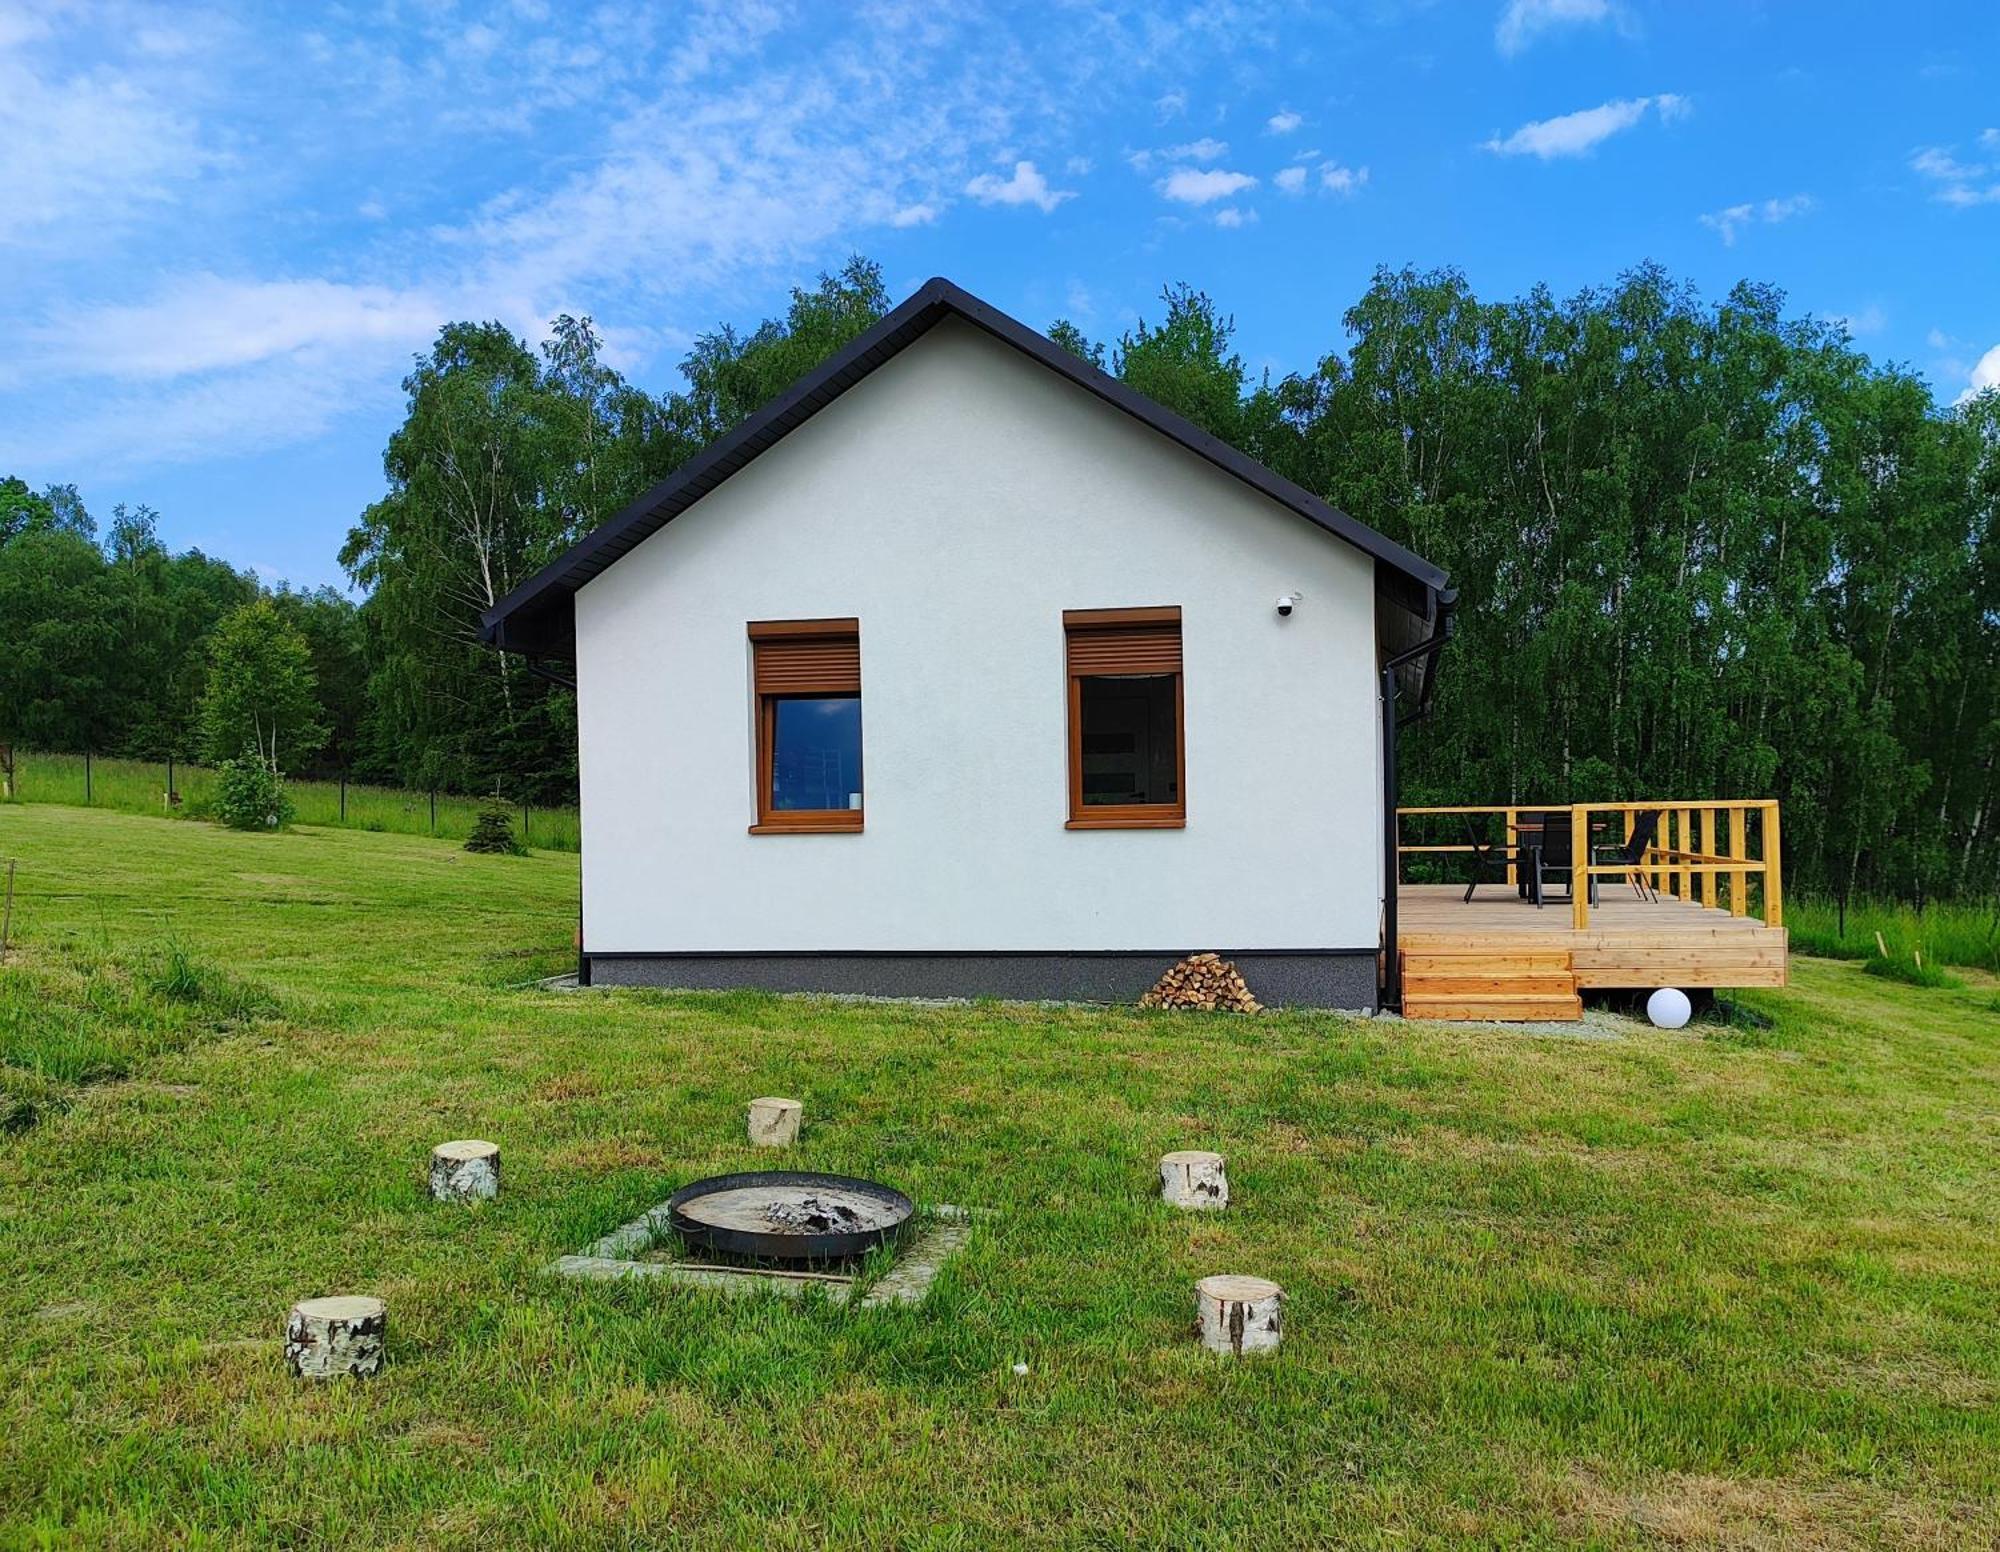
x=1430, y=646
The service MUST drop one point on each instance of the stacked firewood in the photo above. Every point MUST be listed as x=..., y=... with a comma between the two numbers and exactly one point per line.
x=1205, y=981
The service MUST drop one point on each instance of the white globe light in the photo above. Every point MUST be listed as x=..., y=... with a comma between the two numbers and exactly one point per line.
x=1668, y=1008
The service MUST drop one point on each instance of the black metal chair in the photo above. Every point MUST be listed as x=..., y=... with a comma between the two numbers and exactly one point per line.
x=1632, y=852
x=1487, y=856
x=1552, y=860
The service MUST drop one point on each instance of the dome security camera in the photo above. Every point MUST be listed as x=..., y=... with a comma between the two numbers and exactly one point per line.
x=1286, y=603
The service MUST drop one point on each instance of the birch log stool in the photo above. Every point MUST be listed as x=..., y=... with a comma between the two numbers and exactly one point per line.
x=1239, y=1315
x=1192, y=1178
x=774, y=1123
x=326, y=1338
x=465, y=1171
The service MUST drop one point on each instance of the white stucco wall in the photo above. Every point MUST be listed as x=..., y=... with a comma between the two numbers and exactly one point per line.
x=957, y=502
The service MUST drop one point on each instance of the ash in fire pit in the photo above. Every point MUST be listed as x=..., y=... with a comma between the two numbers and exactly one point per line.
x=814, y=1216
x=788, y=1215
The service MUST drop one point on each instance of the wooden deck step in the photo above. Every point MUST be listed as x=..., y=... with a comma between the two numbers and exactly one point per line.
x=1488, y=981
x=1485, y=961
x=1495, y=1009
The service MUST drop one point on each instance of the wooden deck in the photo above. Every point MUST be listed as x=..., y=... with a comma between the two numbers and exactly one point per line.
x=1499, y=957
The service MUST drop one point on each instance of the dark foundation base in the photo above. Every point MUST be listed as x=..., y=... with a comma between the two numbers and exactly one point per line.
x=1299, y=978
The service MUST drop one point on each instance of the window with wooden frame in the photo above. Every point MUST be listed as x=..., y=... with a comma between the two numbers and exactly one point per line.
x=807, y=675
x=1127, y=749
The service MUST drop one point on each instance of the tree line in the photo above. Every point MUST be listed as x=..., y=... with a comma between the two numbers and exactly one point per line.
x=1701, y=548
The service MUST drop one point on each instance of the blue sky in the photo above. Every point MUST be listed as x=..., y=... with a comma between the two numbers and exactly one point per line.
x=224, y=231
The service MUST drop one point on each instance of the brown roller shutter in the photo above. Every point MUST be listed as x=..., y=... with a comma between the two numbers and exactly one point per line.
x=808, y=657
x=1137, y=641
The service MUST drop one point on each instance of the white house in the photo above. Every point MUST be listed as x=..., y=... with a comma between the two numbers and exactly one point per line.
x=963, y=669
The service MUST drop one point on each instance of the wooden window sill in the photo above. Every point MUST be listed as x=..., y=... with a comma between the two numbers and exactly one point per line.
x=836, y=826
x=1129, y=822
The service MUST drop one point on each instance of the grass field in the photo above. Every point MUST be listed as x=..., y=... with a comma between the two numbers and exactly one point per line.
x=1945, y=934
x=140, y=787
x=1732, y=1286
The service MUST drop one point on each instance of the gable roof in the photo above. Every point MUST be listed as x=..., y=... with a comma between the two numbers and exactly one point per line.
x=538, y=618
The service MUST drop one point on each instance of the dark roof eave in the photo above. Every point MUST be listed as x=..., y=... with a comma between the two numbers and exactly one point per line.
x=540, y=610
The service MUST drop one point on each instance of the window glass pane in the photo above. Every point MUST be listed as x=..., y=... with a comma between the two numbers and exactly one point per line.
x=1130, y=740
x=816, y=753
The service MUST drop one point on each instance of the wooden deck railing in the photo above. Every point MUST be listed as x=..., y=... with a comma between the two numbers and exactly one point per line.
x=1705, y=852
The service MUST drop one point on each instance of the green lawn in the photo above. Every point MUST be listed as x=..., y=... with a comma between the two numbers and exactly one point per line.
x=140, y=787
x=1732, y=1286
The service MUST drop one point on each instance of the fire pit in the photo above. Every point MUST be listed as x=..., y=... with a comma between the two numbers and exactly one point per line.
x=787, y=1215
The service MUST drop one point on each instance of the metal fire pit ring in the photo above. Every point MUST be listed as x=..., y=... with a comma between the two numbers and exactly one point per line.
x=778, y=1242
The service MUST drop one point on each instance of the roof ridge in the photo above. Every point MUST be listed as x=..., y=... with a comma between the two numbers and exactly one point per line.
x=538, y=617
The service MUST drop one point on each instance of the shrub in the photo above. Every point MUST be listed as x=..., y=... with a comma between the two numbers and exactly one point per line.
x=493, y=832
x=251, y=796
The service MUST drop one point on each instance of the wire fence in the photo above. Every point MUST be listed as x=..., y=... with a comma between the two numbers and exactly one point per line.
x=178, y=790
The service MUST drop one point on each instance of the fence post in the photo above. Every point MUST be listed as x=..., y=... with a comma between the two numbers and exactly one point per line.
x=7, y=913
x=343, y=797
x=1738, y=886
x=170, y=782
x=524, y=821
x=434, y=811
x=86, y=778
x=1579, y=867
x=1774, y=885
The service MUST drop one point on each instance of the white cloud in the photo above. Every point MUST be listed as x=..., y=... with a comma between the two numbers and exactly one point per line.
x=1192, y=186
x=1574, y=134
x=1231, y=217
x=1729, y=221
x=1868, y=320
x=1206, y=149
x=1336, y=179
x=88, y=148
x=1523, y=20
x=1937, y=162
x=1078, y=166
x=1960, y=183
x=609, y=162
x=1284, y=122
x=1026, y=187
x=1291, y=181
x=1985, y=374
x=204, y=323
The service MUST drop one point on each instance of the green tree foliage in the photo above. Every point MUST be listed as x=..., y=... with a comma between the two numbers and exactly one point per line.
x=104, y=648
x=1700, y=550
x=731, y=376
x=62, y=636
x=1076, y=342
x=1186, y=363
x=261, y=698
x=505, y=458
